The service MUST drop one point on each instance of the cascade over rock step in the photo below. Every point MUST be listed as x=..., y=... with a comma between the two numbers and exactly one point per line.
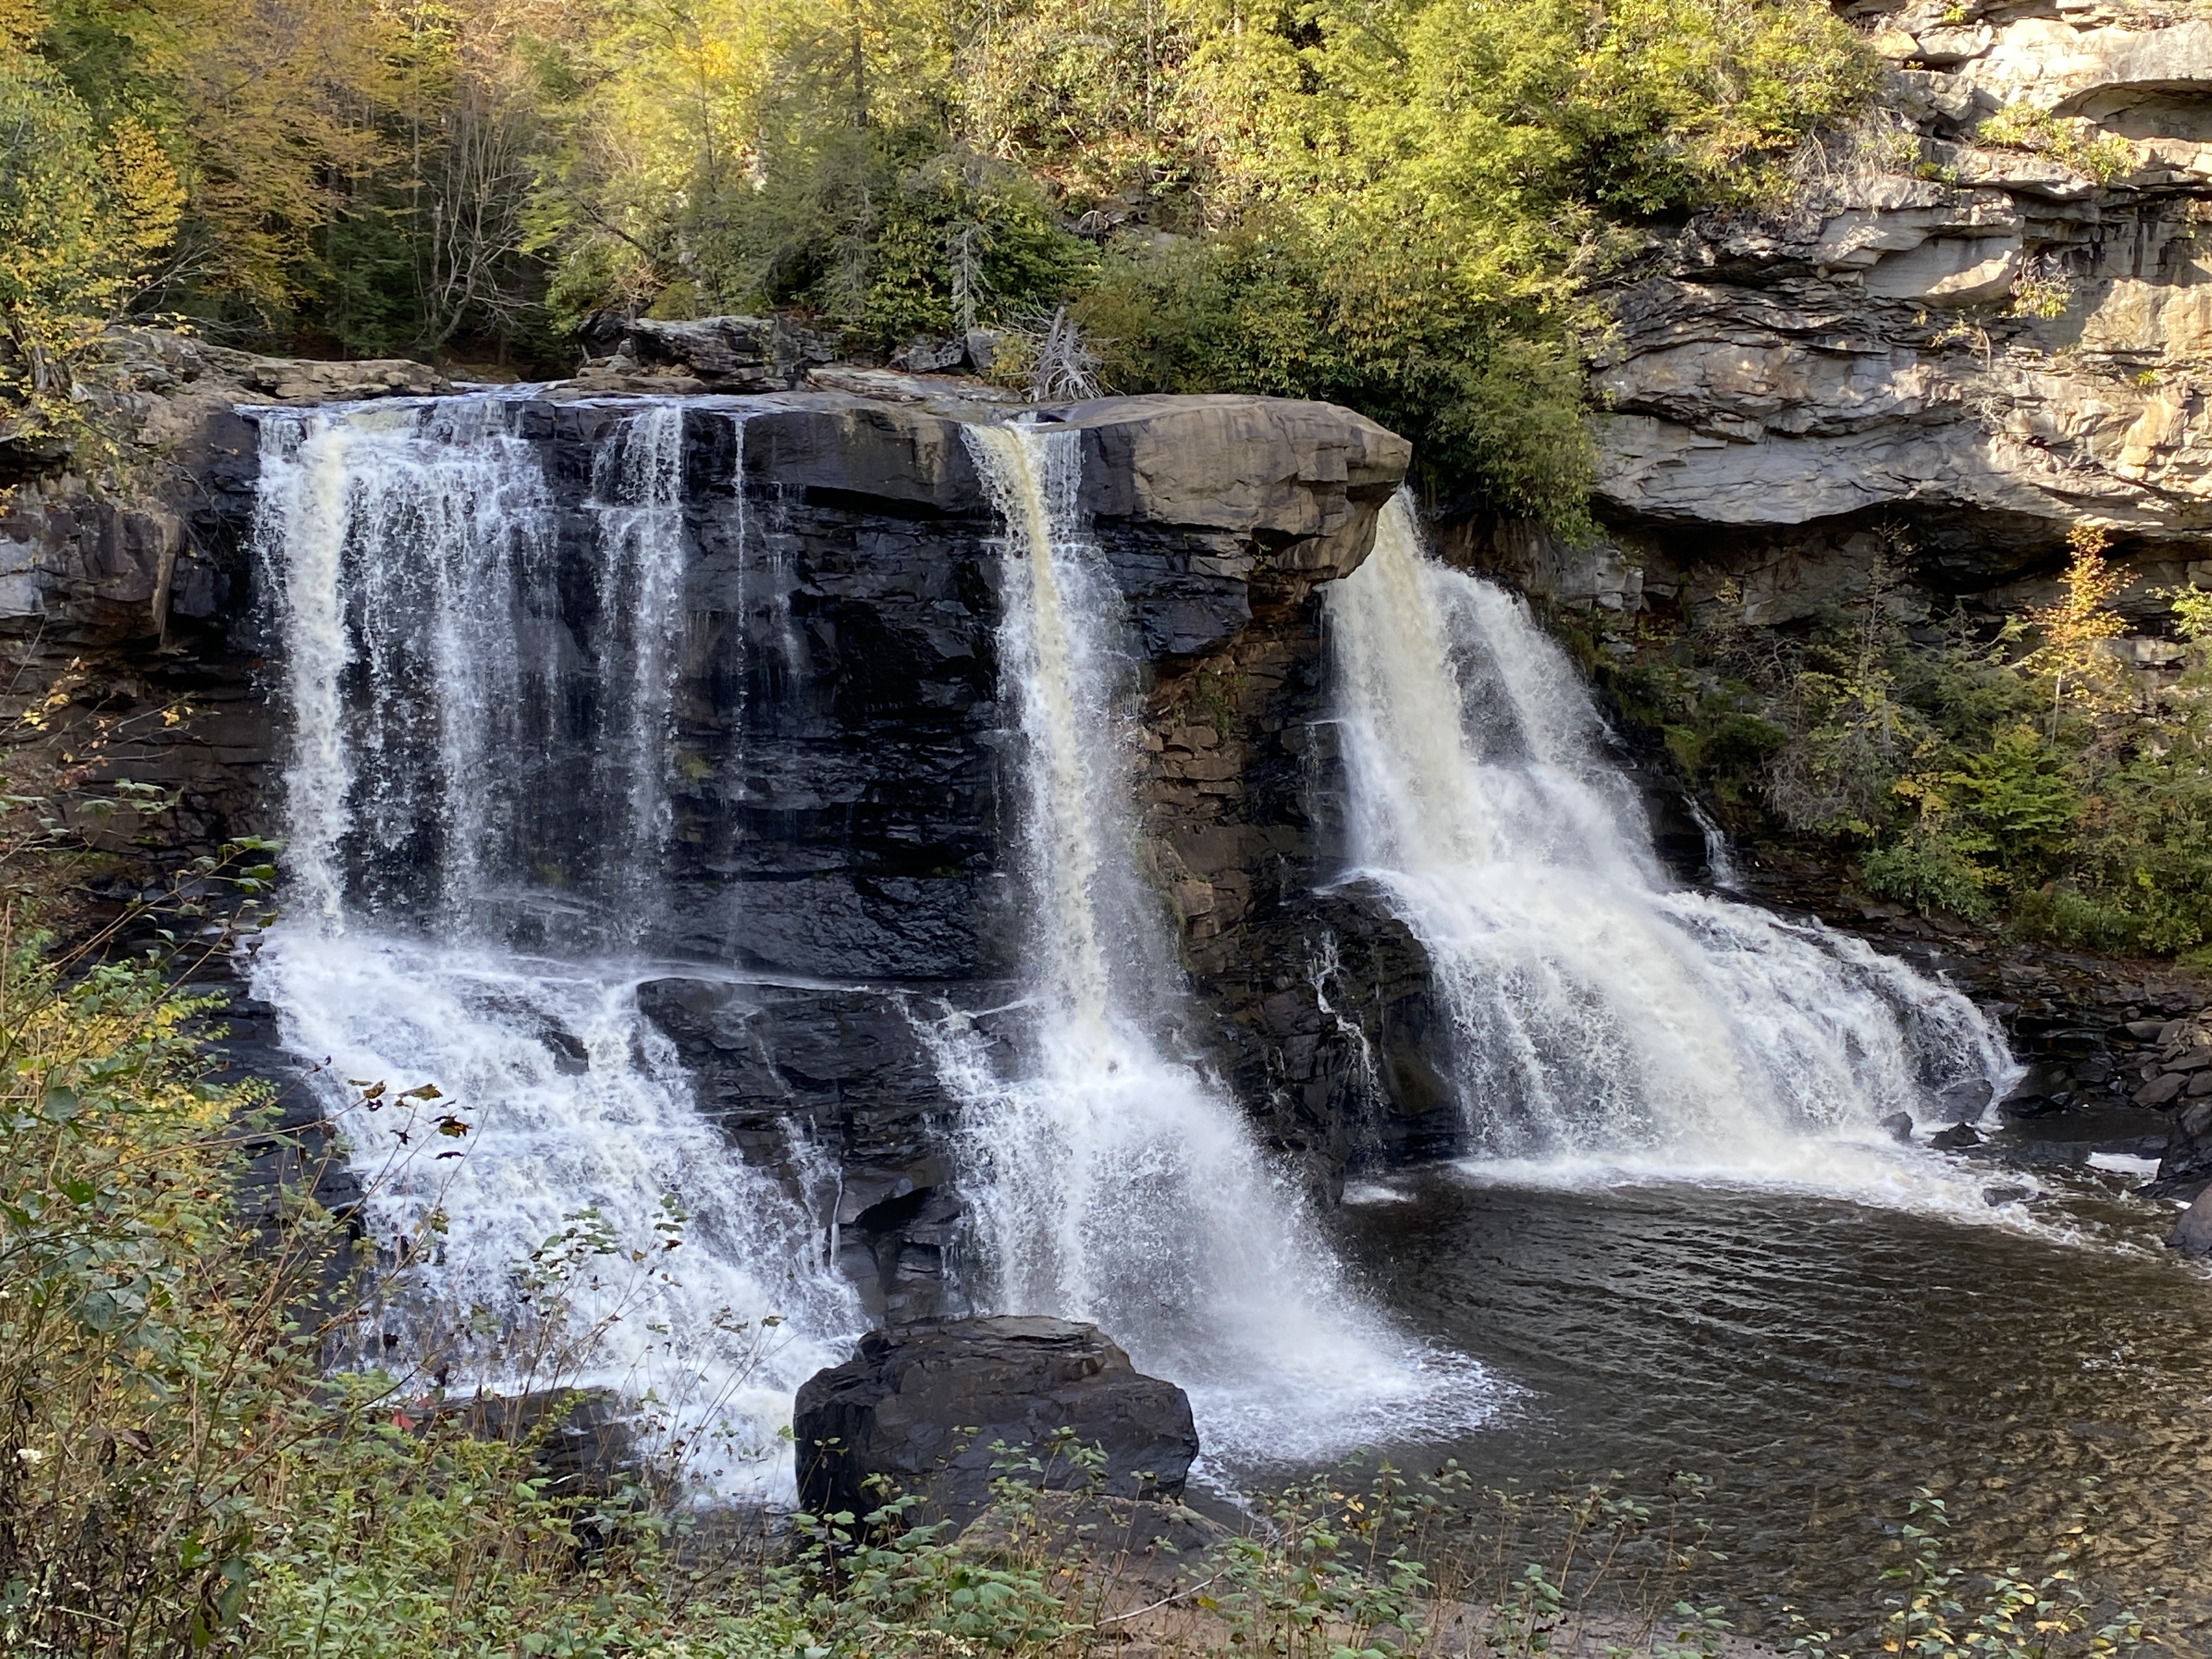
x=922, y=1406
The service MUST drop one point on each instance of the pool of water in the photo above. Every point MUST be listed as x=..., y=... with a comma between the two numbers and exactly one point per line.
x=1818, y=1360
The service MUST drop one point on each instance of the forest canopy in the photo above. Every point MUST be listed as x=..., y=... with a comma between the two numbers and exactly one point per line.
x=1398, y=205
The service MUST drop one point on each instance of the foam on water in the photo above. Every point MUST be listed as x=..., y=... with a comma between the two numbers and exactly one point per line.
x=579, y=1120
x=1606, y=1025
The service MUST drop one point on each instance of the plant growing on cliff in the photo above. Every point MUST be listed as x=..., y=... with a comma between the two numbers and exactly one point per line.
x=2041, y=294
x=2073, y=656
x=2069, y=140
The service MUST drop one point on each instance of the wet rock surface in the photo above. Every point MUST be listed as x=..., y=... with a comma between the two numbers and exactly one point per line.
x=922, y=1407
x=838, y=864
x=2192, y=1233
x=2185, y=1169
x=837, y=874
x=835, y=1090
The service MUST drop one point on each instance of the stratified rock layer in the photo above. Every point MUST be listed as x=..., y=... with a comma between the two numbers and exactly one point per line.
x=841, y=868
x=1983, y=315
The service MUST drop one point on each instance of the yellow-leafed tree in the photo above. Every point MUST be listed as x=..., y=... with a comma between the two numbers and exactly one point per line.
x=83, y=215
x=2073, y=658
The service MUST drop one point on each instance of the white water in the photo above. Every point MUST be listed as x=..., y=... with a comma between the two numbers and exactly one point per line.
x=1110, y=1181
x=1607, y=1024
x=637, y=494
x=1720, y=862
x=475, y=768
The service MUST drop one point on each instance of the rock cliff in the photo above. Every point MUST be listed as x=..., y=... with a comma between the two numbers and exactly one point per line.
x=1984, y=314
x=1978, y=318
x=839, y=857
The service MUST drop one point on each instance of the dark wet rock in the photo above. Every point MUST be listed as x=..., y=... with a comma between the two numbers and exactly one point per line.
x=834, y=1089
x=922, y=1406
x=580, y=1439
x=1956, y=1138
x=2192, y=1233
x=2185, y=1169
x=2041, y=1089
x=1997, y=1197
x=1965, y=1100
x=2160, y=1091
x=1900, y=1125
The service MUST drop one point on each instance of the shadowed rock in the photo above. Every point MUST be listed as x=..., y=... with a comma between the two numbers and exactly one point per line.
x=923, y=1406
x=2193, y=1234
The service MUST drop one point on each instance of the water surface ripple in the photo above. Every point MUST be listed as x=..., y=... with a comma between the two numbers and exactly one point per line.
x=1819, y=1360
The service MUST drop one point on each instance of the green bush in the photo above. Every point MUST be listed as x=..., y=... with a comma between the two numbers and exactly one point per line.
x=2013, y=775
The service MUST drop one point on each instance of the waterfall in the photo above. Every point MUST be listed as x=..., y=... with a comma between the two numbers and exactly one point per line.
x=1109, y=1180
x=1602, y=1020
x=1720, y=861
x=477, y=806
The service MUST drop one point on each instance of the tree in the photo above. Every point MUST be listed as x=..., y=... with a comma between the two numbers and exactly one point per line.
x=83, y=215
x=2073, y=659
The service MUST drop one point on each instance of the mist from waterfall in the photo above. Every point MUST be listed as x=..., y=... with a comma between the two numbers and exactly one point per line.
x=1109, y=1180
x=477, y=806
x=1604, y=1022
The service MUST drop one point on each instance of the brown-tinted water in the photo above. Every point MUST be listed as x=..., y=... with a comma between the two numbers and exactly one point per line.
x=1818, y=1361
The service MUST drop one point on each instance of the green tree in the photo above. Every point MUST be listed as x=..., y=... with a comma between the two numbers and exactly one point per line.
x=83, y=215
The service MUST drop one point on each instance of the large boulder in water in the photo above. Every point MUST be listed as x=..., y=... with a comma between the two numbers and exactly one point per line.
x=923, y=1406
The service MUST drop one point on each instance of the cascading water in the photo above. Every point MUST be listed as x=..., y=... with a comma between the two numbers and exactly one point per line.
x=477, y=801
x=1112, y=1182
x=1603, y=1021
x=1720, y=859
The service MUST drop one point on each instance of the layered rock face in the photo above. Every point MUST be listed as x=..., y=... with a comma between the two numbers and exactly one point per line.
x=1979, y=320
x=1982, y=317
x=848, y=818
x=839, y=856
x=119, y=598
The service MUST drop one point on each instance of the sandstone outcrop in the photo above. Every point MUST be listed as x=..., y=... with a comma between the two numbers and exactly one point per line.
x=922, y=1408
x=1982, y=316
